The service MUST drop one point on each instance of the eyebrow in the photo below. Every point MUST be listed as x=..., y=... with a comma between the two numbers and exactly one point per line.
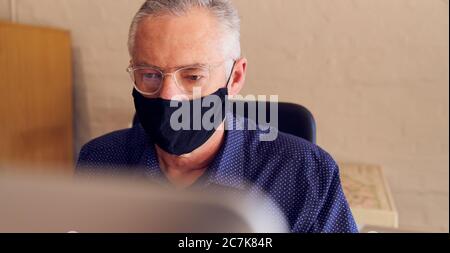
x=195, y=65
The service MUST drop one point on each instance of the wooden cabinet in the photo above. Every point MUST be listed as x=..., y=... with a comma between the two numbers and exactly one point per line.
x=35, y=98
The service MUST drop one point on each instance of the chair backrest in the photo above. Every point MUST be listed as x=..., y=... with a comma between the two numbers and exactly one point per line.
x=292, y=118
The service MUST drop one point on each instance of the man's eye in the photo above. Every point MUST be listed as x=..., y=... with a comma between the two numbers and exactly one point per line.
x=152, y=76
x=193, y=78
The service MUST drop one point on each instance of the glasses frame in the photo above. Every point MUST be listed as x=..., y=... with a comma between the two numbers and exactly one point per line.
x=131, y=69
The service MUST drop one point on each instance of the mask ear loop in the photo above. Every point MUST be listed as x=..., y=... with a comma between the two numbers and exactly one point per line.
x=231, y=74
x=228, y=87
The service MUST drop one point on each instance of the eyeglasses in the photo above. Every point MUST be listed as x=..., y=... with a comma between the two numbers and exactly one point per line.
x=148, y=80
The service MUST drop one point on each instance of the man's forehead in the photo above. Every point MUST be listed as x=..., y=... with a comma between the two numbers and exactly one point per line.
x=192, y=38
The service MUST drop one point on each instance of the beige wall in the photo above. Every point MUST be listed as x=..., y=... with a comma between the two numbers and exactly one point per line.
x=373, y=72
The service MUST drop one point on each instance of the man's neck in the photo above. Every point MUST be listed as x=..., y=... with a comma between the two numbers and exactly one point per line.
x=183, y=171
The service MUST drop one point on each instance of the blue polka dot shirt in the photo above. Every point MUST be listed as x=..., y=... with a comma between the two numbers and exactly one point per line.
x=301, y=178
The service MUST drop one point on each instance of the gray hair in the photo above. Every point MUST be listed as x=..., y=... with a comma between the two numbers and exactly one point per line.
x=223, y=10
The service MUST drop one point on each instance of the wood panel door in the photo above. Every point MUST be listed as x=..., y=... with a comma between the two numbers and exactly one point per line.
x=35, y=98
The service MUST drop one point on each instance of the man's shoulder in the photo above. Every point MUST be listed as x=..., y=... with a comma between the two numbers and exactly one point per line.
x=117, y=139
x=290, y=161
x=290, y=148
x=295, y=146
x=118, y=147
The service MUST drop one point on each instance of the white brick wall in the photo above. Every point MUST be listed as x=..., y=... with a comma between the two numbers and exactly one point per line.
x=374, y=73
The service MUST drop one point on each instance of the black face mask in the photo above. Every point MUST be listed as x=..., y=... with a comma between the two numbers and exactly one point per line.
x=155, y=115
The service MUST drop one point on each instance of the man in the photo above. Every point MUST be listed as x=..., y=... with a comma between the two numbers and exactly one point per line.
x=189, y=51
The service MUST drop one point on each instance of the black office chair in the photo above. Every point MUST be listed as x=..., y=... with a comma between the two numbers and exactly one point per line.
x=292, y=118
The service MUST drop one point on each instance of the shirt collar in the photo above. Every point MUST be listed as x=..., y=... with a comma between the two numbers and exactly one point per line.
x=225, y=170
x=149, y=160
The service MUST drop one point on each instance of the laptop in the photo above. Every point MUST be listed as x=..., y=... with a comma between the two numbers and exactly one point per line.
x=38, y=204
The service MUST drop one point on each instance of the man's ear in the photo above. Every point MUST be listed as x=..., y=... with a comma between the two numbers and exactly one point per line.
x=238, y=77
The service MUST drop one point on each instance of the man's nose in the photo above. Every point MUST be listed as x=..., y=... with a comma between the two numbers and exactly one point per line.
x=169, y=88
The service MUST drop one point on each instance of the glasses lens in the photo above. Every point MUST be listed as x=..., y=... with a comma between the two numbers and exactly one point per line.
x=148, y=80
x=191, y=78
